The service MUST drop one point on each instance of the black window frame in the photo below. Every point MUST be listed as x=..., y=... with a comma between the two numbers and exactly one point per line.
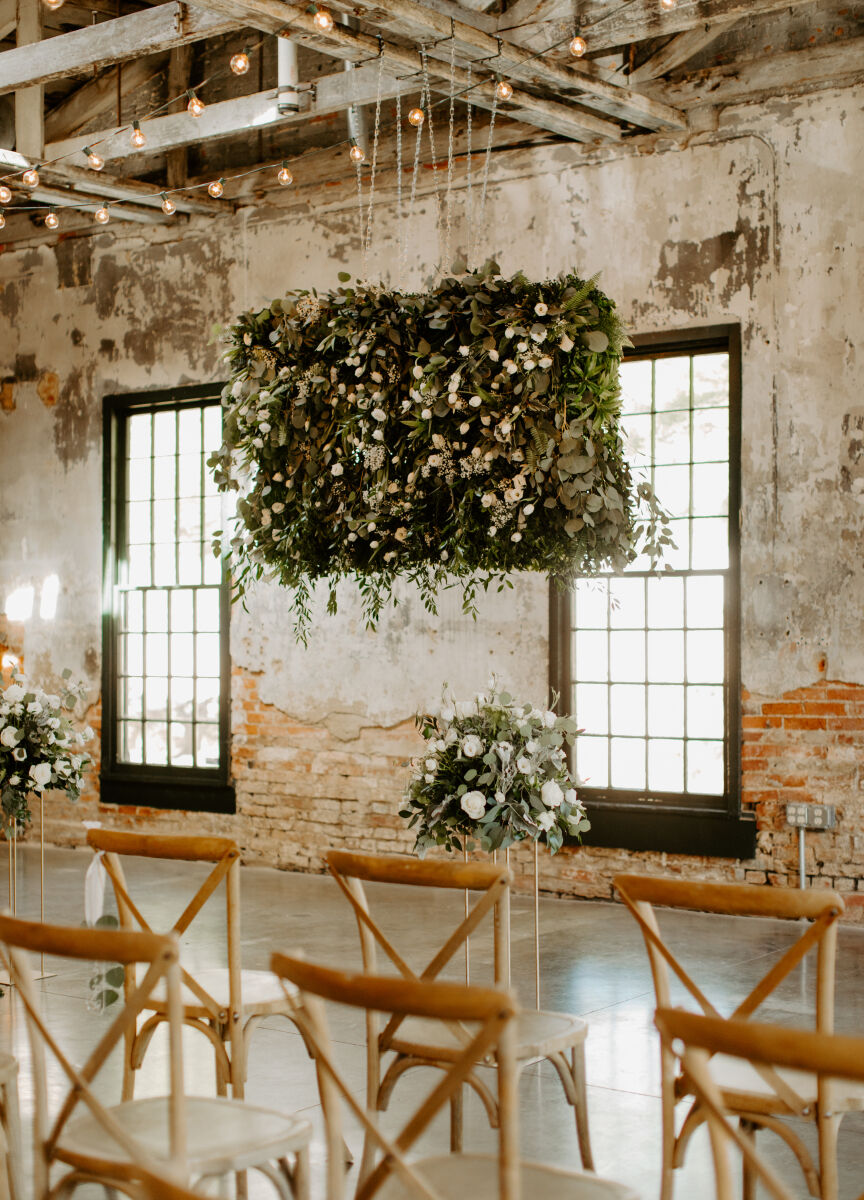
x=633, y=820
x=194, y=789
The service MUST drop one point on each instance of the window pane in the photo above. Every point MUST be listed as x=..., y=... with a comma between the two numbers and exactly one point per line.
x=665, y=710
x=710, y=544
x=182, y=605
x=705, y=767
x=592, y=651
x=711, y=489
x=636, y=380
x=705, y=657
x=138, y=435
x=138, y=480
x=705, y=601
x=628, y=709
x=182, y=698
x=190, y=475
x=208, y=662
x=157, y=698
x=156, y=742
x=591, y=607
x=135, y=612
x=666, y=656
x=672, y=486
x=592, y=707
x=711, y=435
x=665, y=602
x=208, y=700
x=132, y=697
x=627, y=603
x=131, y=741
x=705, y=712
x=183, y=654
x=208, y=610
x=592, y=763
x=666, y=765
x=710, y=380
x=672, y=383
x=156, y=609
x=189, y=421
x=132, y=655
x=139, y=566
x=138, y=522
x=627, y=656
x=182, y=750
x=637, y=438
x=206, y=746
x=157, y=653
x=189, y=520
x=165, y=564
x=165, y=432
x=628, y=763
x=672, y=437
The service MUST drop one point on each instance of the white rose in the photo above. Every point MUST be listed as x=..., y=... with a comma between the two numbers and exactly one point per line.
x=14, y=693
x=474, y=804
x=546, y=821
x=516, y=537
x=509, y=331
x=418, y=372
x=504, y=750
x=522, y=347
x=431, y=764
x=529, y=364
x=570, y=796
x=541, y=309
x=425, y=414
x=336, y=469
x=19, y=753
x=551, y=794
x=566, y=344
x=472, y=746
x=528, y=509
x=14, y=780
x=10, y=736
x=40, y=773
x=464, y=427
x=549, y=719
x=448, y=712
x=493, y=354
x=475, y=401
x=545, y=362
x=428, y=778
x=538, y=335
x=465, y=708
x=266, y=518
x=488, y=499
x=510, y=366
x=500, y=797
x=379, y=414
x=378, y=435
x=523, y=765
x=464, y=351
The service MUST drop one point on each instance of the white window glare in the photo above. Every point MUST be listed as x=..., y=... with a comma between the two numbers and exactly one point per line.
x=48, y=599
x=19, y=604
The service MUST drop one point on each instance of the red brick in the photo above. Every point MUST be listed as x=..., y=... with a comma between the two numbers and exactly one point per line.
x=761, y=723
x=824, y=708
x=782, y=708
x=856, y=723
x=804, y=723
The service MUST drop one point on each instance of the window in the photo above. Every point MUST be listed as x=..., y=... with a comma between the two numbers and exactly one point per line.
x=650, y=661
x=165, y=628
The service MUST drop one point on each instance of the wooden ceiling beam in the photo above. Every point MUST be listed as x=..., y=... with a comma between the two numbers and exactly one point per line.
x=8, y=17
x=147, y=32
x=60, y=199
x=110, y=187
x=100, y=94
x=680, y=50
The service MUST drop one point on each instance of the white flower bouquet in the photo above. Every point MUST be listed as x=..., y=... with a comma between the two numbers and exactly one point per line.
x=39, y=746
x=493, y=772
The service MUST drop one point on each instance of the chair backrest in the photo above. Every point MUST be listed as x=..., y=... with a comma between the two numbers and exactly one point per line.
x=160, y=955
x=822, y=909
x=488, y=1011
x=223, y=853
x=694, y=1038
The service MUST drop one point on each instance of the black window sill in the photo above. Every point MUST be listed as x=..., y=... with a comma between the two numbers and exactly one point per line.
x=154, y=791
x=710, y=833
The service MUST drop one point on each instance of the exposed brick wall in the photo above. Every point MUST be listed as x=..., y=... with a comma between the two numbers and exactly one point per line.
x=301, y=790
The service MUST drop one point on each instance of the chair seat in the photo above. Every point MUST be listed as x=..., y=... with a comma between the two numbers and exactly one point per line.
x=476, y=1175
x=537, y=1034
x=261, y=991
x=744, y=1088
x=222, y=1135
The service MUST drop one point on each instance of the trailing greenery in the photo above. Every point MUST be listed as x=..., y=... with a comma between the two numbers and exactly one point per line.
x=452, y=435
x=493, y=772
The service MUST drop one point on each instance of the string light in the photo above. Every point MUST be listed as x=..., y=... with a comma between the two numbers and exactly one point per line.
x=216, y=188
x=285, y=177
x=137, y=138
x=168, y=205
x=54, y=4
x=356, y=153
x=577, y=46
x=5, y=194
x=322, y=18
x=2, y=221
x=239, y=63
x=52, y=221
x=30, y=178
x=96, y=161
x=416, y=117
x=101, y=215
x=195, y=106
x=668, y=5
x=503, y=90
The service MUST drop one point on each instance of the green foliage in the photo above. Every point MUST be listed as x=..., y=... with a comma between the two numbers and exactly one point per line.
x=458, y=434
x=492, y=772
x=106, y=982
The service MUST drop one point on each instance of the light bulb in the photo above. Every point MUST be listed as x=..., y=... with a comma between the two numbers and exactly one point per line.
x=285, y=177
x=52, y=220
x=2, y=221
x=168, y=205
x=356, y=153
x=416, y=117
x=53, y=4
x=239, y=63
x=578, y=46
x=5, y=194
x=323, y=20
x=30, y=178
x=668, y=5
x=503, y=90
x=101, y=215
x=195, y=107
x=96, y=161
x=216, y=188
x=137, y=139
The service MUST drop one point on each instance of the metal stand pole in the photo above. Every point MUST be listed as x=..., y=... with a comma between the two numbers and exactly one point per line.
x=468, y=939
x=536, y=928
x=802, y=876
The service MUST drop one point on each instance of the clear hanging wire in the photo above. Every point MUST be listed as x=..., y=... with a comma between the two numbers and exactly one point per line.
x=367, y=236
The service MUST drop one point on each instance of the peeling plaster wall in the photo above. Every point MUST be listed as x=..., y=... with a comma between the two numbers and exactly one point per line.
x=759, y=222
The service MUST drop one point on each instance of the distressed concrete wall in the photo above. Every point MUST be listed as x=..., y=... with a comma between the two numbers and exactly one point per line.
x=758, y=222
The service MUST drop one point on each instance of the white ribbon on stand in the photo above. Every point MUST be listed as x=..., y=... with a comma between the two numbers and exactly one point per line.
x=94, y=883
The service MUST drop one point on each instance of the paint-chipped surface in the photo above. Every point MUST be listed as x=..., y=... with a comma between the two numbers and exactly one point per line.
x=758, y=222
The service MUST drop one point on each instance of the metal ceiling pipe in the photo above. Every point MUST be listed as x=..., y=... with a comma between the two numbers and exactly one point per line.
x=287, y=76
x=358, y=128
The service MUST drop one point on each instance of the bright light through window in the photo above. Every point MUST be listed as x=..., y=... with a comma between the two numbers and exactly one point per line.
x=19, y=604
x=48, y=598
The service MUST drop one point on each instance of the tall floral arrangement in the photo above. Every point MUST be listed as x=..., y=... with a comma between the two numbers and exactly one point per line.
x=493, y=771
x=40, y=748
x=460, y=433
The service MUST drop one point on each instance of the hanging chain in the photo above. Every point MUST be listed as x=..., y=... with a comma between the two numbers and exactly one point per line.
x=352, y=119
x=426, y=102
x=488, y=158
x=400, y=224
x=469, y=196
x=448, y=233
x=367, y=240
x=414, y=177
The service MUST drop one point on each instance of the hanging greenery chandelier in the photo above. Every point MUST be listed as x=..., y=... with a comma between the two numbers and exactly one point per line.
x=454, y=435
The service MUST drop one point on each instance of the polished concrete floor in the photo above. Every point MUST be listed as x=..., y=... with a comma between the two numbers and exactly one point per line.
x=593, y=964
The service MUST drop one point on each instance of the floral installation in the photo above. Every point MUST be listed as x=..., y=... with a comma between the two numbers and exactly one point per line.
x=493, y=772
x=39, y=747
x=453, y=435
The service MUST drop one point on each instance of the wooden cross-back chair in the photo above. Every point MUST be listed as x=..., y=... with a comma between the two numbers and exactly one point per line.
x=758, y=1096
x=490, y=1015
x=171, y=1134
x=694, y=1039
x=222, y=1002
x=558, y=1038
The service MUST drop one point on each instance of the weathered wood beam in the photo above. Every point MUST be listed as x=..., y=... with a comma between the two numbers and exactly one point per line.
x=600, y=89
x=679, y=50
x=179, y=74
x=581, y=126
x=29, y=103
x=110, y=187
x=135, y=213
x=99, y=95
x=773, y=75
x=8, y=17
x=635, y=23
x=147, y=32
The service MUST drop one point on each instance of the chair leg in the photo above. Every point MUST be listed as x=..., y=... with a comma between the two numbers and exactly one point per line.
x=14, y=1145
x=577, y=1063
x=667, y=1170
x=456, y=1115
x=128, y=1092
x=748, y=1175
x=828, y=1128
x=300, y=1175
x=221, y=1074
